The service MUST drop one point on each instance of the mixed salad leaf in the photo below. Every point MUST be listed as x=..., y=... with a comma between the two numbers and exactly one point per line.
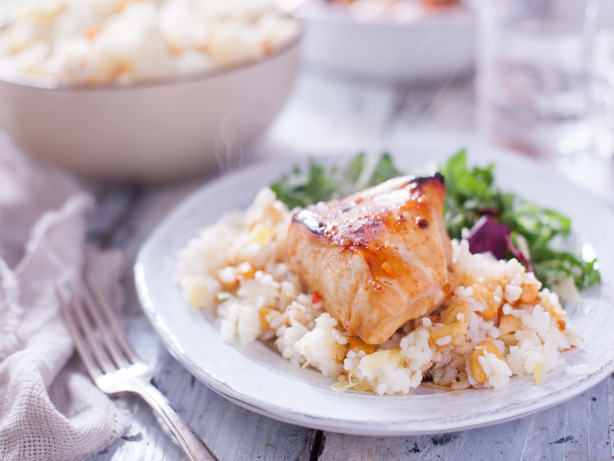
x=320, y=183
x=474, y=207
x=472, y=200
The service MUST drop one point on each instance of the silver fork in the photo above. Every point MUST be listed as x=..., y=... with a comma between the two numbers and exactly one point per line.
x=114, y=367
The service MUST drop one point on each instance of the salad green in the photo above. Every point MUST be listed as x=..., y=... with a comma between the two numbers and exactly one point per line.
x=471, y=194
x=320, y=183
x=498, y=221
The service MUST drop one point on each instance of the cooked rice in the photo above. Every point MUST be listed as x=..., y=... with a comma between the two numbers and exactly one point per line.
x=91, y=42
x=497, y=324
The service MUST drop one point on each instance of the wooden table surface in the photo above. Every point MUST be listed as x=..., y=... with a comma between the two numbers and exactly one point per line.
x=332, y=114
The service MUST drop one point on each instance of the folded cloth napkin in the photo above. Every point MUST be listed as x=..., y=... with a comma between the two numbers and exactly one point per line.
x=49, y=408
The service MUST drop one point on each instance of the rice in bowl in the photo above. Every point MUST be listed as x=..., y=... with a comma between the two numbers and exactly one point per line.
x=497, y=323
x=101, y=42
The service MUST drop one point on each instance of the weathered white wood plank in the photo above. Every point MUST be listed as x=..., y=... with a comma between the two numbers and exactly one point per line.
x=598, y=422
x=610, y=407
x=576, y=430
x=563, y=432
x=111, y=203
x=328, y=116
x=443, y=106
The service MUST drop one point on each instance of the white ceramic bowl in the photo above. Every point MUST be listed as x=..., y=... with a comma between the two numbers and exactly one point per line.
x=434, y=46
x=150, y=131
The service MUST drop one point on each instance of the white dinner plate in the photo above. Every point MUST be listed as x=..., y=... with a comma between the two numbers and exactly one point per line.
x=258, y=378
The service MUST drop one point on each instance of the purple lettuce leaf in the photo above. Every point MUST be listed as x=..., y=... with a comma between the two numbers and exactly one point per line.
x=488, y=235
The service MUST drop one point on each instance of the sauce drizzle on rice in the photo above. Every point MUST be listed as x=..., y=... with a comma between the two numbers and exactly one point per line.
x=496, y=323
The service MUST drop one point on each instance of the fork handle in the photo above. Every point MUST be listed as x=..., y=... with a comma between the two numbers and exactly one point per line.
x=192, y=445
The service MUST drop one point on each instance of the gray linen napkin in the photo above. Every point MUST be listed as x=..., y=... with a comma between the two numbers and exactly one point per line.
x=49, y=410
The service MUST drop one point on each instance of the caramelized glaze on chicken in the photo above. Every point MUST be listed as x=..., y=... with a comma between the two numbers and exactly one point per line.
x=377, y=258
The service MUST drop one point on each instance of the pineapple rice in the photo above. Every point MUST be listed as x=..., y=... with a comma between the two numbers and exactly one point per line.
x=497, y=324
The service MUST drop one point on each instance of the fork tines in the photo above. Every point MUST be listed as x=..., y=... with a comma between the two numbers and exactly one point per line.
x=92, y=322
x=112, y=365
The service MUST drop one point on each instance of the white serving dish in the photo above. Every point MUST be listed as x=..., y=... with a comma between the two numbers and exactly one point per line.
x=429, y=47
x=150, y=131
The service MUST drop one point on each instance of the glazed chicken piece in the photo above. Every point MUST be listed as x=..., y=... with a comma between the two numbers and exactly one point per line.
x=377, y=258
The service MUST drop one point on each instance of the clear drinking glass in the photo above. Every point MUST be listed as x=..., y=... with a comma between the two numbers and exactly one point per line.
x=536, y=75
x=603, y=79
